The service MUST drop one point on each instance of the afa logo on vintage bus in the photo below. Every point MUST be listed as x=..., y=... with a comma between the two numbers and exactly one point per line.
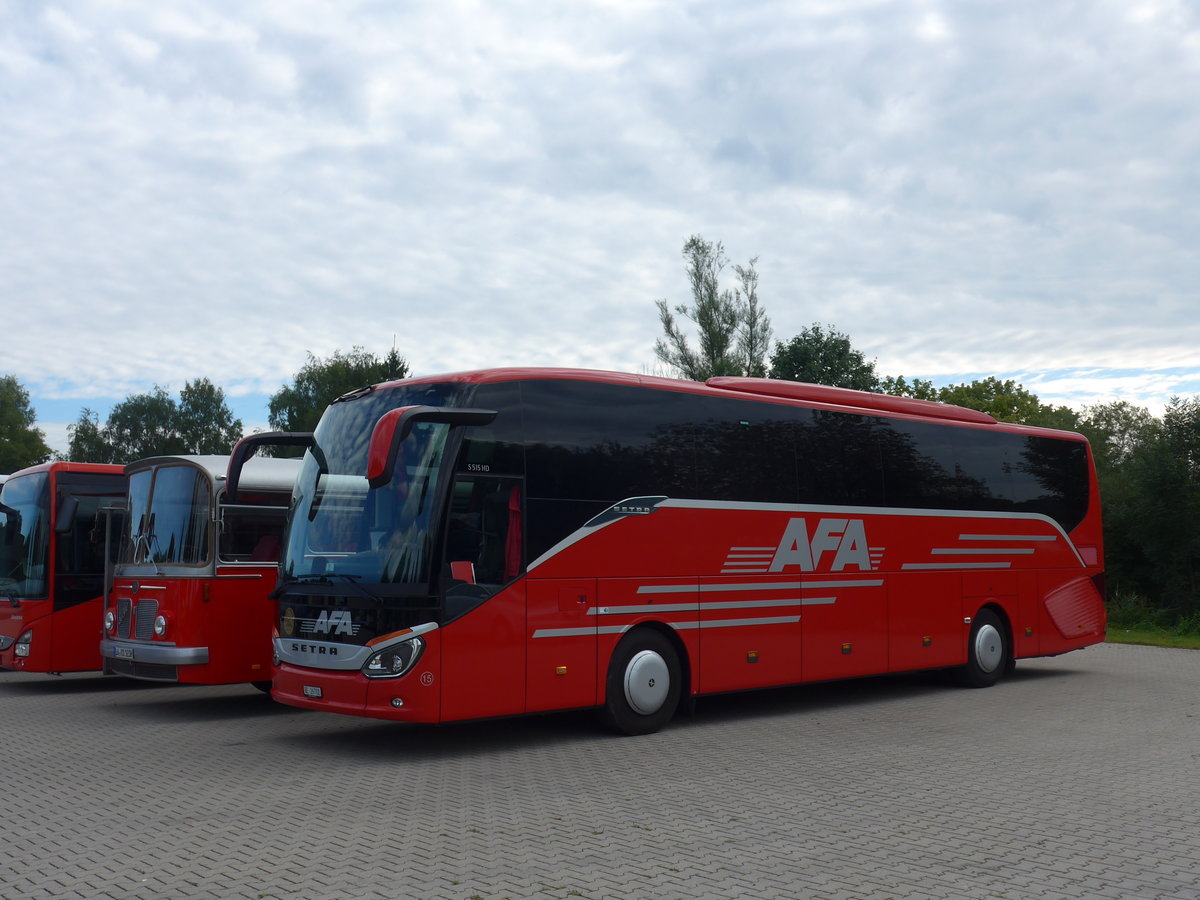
x=833, y=544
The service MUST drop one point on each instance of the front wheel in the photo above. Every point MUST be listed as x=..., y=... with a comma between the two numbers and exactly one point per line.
x=644, y=683
x=988, y=652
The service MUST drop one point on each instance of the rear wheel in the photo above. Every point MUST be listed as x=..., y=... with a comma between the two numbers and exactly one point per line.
x=988, y=653
x=644, y=683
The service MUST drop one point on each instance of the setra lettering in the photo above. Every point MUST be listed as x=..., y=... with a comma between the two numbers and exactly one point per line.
x=314, y=649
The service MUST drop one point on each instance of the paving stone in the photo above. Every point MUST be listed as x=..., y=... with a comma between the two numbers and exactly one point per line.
x=1077, y=777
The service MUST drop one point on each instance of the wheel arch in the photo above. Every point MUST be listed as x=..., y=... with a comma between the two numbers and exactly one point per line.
x=681, y=650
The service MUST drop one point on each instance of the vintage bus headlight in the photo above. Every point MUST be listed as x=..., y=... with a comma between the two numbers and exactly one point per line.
x=395, y=660
x=160, y=625
x=23, y=642
x=110, y=621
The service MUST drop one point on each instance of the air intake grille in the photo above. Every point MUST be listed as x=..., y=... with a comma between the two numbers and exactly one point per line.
x=124, y=614
x=144, y=619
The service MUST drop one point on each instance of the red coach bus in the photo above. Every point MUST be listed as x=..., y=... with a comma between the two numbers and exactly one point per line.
x=509, y=541
x=190, y=594
x=52, y=564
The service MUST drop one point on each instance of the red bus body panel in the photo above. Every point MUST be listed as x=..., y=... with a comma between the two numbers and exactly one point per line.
x=64, y=639
x=226, y=620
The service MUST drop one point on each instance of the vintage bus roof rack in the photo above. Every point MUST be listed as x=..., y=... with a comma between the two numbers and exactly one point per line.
x=822, y=393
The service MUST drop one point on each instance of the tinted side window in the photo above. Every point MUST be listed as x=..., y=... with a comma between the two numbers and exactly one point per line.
x=938, y=466
x=497, y=448
x=838, y=456
x=746, y=451
x=607, y=442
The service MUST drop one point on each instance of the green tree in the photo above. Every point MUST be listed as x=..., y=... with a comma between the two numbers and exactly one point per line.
x=298, y=406
x=144, y=425
x=823, y=356
x=1007, y=401
x=1117, y=431
x=917, y=389
x=204, y=421
x=155, y=424
x=733, y=329
x=86, y=441
x=21, y=443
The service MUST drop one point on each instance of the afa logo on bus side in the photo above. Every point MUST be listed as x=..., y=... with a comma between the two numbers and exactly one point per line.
x=846, y=539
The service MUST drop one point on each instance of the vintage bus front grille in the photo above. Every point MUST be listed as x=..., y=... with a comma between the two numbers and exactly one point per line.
x=124, y=614
x=143, y=620
x=146, y=671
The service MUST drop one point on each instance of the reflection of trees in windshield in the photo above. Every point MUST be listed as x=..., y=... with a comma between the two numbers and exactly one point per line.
x=168, y=517
x=24, y=542
x=340, y=526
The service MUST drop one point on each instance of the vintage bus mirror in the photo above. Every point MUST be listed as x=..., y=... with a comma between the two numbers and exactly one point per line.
x=394, y=426
x=248, y=446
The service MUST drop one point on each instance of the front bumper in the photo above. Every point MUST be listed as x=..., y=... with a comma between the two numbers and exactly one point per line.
x=158, y=654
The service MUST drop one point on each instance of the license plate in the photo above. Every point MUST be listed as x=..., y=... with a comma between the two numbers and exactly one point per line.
x=313, y=691
x=122, y=653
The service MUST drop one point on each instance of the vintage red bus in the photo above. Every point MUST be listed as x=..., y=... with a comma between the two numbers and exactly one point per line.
x=510, y=541
x=190, y=593
x=52, y=564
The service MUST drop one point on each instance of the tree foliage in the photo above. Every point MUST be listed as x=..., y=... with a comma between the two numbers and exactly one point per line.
x=733, y=329
x=1007, y=401
x=21, y=443
x=155, y=424
x=823, y=356
x=298, y=406
x=898, y=386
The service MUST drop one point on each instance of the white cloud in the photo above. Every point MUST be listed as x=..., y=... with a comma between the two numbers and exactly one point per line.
x=213, y=191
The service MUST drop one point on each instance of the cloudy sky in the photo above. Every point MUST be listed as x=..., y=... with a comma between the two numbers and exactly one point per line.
x=965, y=188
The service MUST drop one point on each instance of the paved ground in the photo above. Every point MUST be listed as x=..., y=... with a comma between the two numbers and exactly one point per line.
x=1079, y=777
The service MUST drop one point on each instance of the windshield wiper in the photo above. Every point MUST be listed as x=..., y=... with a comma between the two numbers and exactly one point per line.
x=327, y=578
x=324, y=577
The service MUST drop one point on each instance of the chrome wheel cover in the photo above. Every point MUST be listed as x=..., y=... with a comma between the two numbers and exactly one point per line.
x=989, y=648
x=647, y=682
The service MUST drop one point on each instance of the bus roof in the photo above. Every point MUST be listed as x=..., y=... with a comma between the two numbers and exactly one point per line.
x=770, y=389
x=61, y=466
x=260, y=472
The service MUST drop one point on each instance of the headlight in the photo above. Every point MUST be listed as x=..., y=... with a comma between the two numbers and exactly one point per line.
x=160, y=625
x=23, y=642
x=395, y=660
x=110, y=621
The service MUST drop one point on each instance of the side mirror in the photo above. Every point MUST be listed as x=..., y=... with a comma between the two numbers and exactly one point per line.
x=248, y=446
x=394, y=426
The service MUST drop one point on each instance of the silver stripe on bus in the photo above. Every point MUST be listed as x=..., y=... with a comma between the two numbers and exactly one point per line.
x=757, y=586
x=580, y=632
x=1008, y=537
x=661, y=607
x=966, y=565
x=734, y=623
x=982, y=551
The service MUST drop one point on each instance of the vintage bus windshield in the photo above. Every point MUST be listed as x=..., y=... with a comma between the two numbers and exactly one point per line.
x=168, y=517
x=24, y=541
x=341, y=528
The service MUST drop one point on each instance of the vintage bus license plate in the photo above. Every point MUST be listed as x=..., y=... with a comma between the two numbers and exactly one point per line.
x=313, y=691
x=122, y=653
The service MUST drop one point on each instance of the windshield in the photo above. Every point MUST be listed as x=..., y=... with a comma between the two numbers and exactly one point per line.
x=24, y=541
x=168, y=517
x=340, y=527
